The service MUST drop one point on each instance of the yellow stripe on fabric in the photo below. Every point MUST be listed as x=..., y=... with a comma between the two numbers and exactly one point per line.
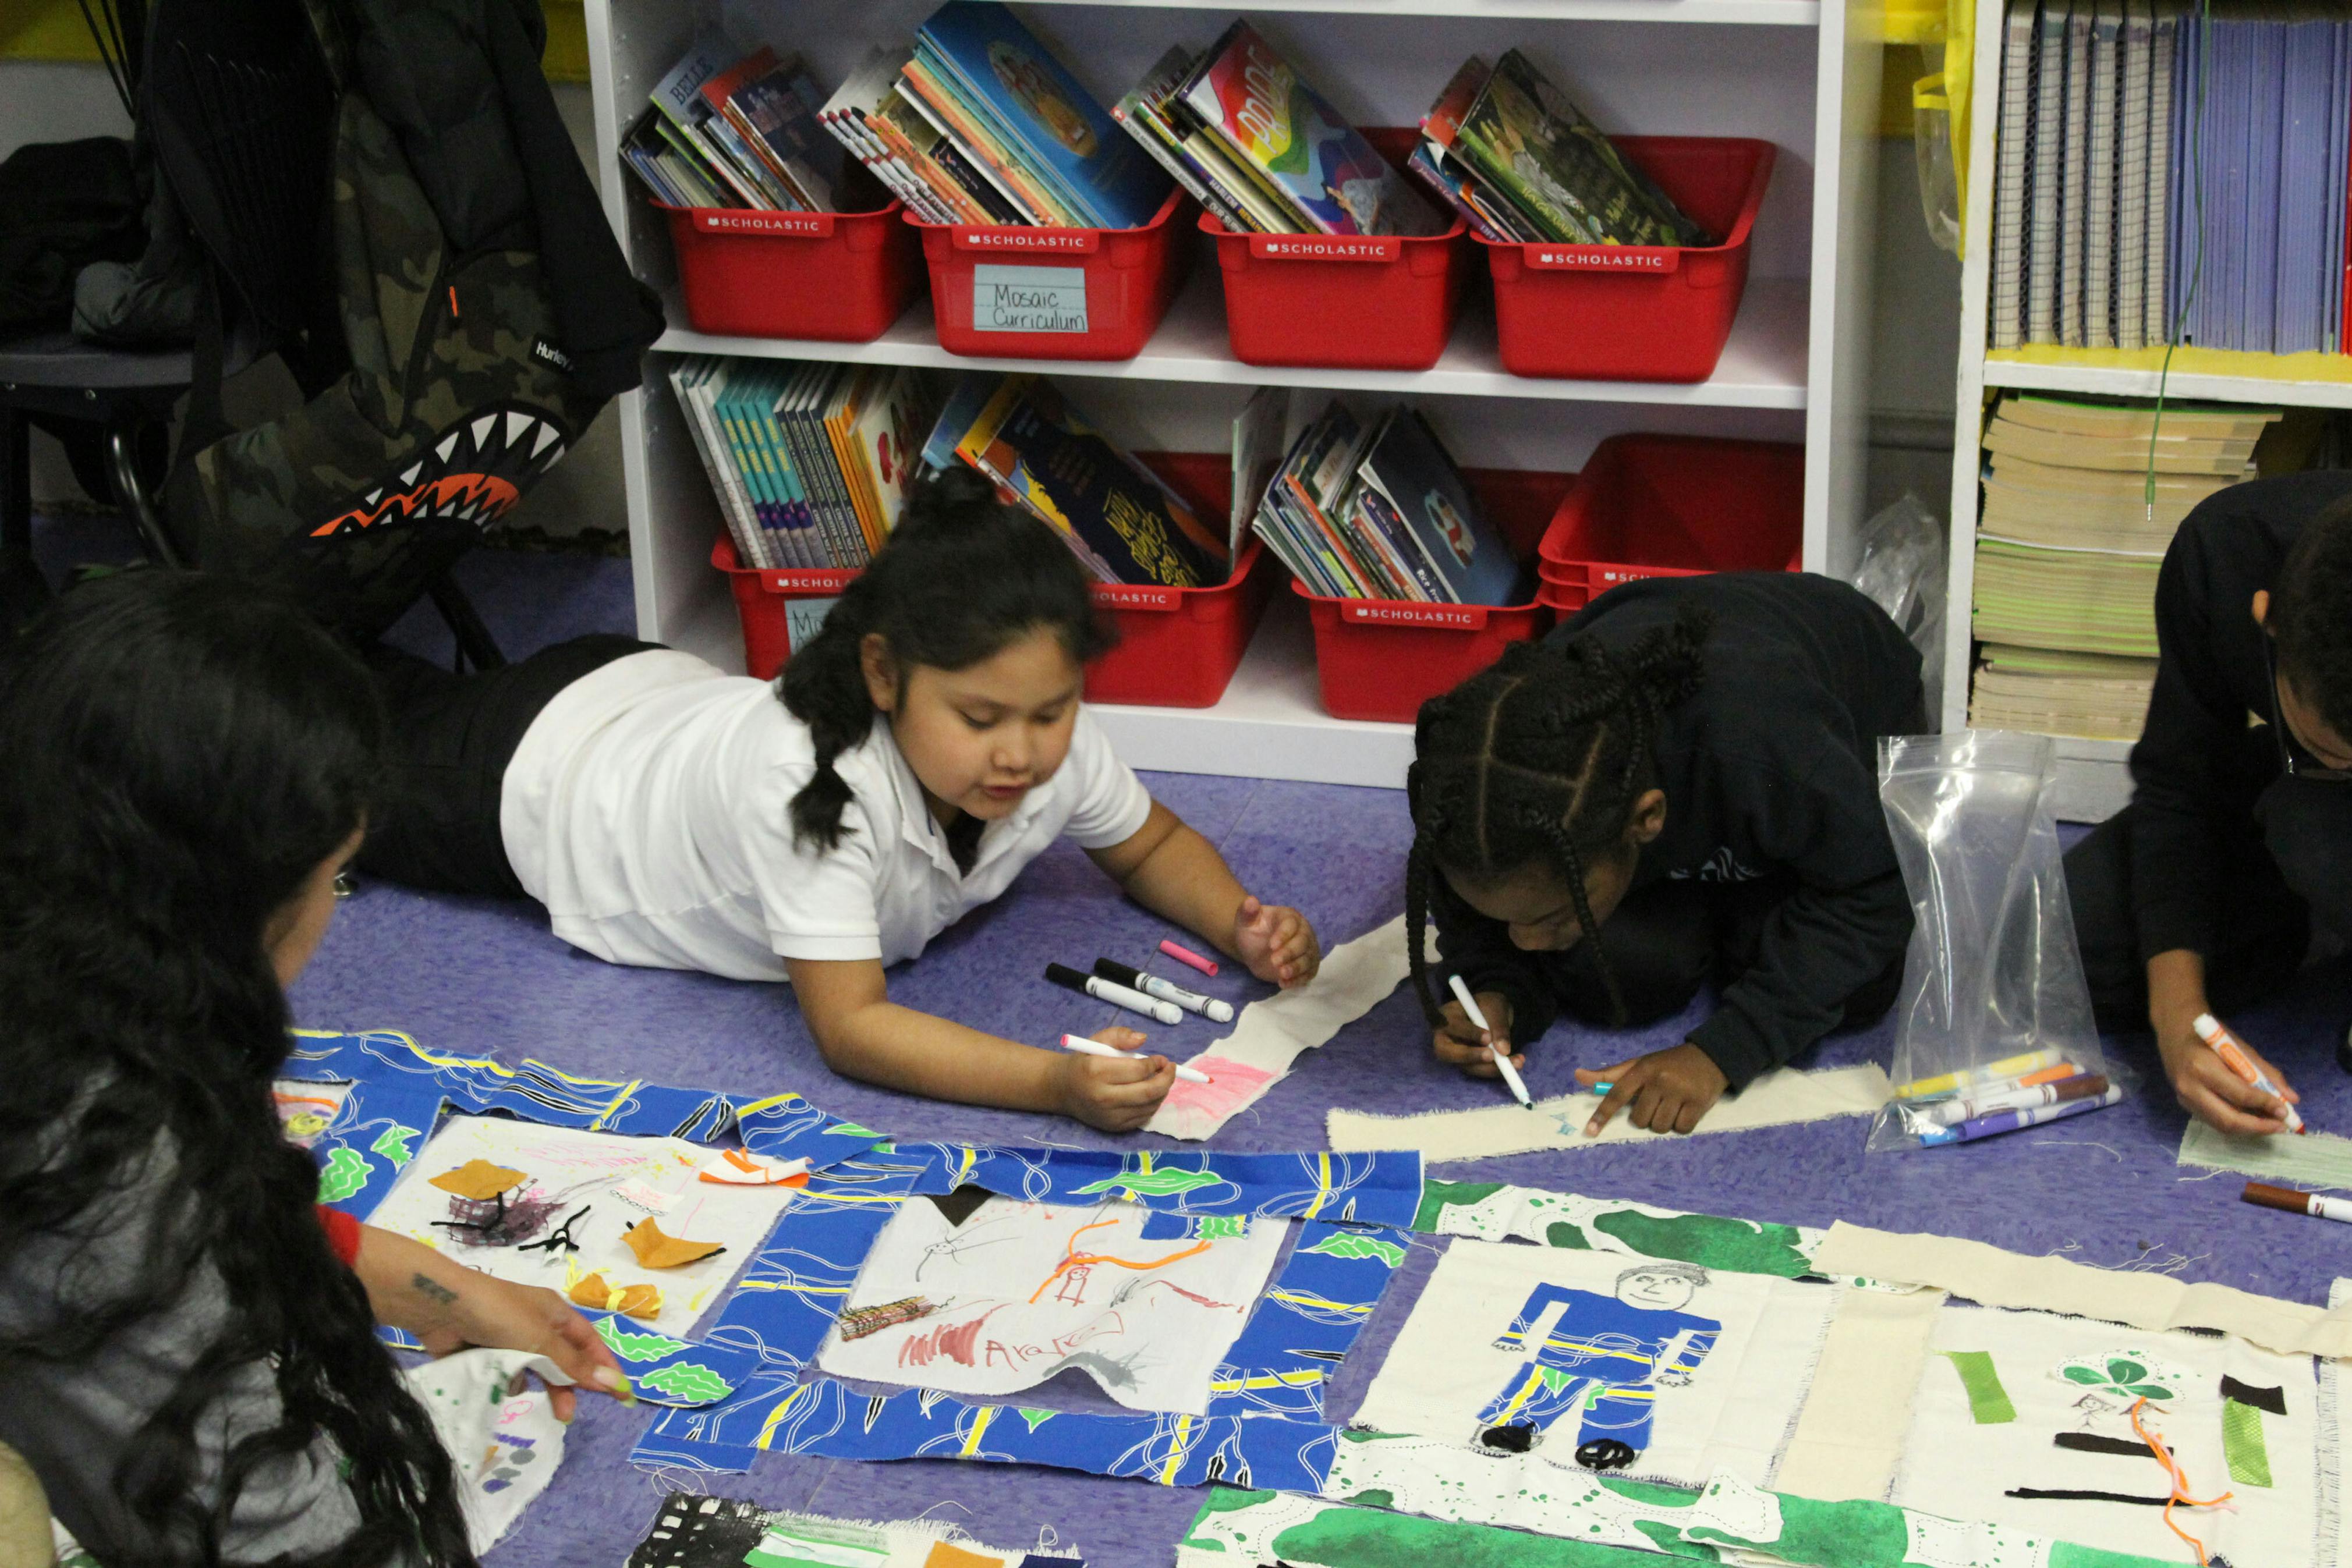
x=980, y=1416
x=757, y=1105
x=1322, y=1186
x=776, y=1417
x=1301, y=1299
x=1299, y=1379
x=1183, y=1440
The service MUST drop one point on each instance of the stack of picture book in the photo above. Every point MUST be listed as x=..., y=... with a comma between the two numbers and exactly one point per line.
x=1379, y=510
x=2171, y=172
x=1254, y=143
x=1508, y=151
x=2069, y=546
x=810, y=463
x=979, y=123
x=727, y=129
x=1121, y=521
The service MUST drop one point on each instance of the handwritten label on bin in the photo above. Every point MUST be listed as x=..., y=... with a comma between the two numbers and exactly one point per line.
x=1324, y=247
x=1384, y=613
x=796, y=225
x=804, y=618
x=1603, y=258
x=1028, y=299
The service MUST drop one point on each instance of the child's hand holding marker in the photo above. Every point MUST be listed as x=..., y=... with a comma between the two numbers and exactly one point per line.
x=1276, y=943
x=2221, y=1081
x=1116, y=1094
x=1459, y=1042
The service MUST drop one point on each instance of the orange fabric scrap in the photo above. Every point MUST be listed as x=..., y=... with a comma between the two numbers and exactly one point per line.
x=656, y=1250
x=630, y=1301
x=480, y=1180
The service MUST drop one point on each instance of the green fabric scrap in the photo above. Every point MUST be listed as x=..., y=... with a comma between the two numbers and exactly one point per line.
x=1339, y=1536
x=2243, y=1445
x=1436, y=1196
x=1735, y=1246
x=1987, y=1400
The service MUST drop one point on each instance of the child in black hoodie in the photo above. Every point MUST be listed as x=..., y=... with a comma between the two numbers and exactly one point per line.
x=1686, y=771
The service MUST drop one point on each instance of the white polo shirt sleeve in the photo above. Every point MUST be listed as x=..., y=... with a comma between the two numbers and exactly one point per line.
x=1111, y=802
x=816, y=902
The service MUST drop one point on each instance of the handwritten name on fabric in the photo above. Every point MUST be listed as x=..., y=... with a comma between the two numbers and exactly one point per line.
x=1773, y=1100
x=1994, y=1277
x=1663, y=1370
x=1269, y=1035
x=1031, y=1289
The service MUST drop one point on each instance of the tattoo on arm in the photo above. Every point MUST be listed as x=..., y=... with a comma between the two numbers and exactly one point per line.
x=432, y=1289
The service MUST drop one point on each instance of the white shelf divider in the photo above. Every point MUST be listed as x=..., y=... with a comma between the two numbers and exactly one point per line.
x=2032, y=376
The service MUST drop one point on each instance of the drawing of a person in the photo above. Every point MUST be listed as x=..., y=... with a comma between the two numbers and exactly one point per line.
x=1606, y=1356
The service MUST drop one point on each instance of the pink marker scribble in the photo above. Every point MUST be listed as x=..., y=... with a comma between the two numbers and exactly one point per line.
x=1232, y=1085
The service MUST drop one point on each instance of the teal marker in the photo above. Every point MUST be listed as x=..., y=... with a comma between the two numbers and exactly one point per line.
x=1601, y=1088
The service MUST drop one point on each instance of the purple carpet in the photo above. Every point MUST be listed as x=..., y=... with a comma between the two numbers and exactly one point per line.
x=488, y=979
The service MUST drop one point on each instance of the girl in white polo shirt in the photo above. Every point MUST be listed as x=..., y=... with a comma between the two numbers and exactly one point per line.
x=930, y=743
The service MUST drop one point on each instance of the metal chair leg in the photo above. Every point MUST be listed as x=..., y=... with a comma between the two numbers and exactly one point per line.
x=133, y=491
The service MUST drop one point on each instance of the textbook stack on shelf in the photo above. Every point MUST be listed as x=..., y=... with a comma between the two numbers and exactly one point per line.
x=2069, y=546
x=1381, y=511
x=809, y=462
x=1246, y=135
x=979, y=123
x=1507, y=150
x=732, y=130
x=2162, y=175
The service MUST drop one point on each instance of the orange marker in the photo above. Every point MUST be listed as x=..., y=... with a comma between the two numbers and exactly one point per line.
x=2232, y=1052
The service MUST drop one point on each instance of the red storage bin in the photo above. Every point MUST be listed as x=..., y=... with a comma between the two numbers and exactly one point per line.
x=1638, y=313
x=1178, y=647
x=1382, y=658
x=1126, y=278
x=840, y=278
x=1360, y=302
x=1674, y=505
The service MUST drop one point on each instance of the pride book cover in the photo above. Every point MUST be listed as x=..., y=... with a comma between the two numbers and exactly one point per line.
x=1249, y=96
x=1058, y=123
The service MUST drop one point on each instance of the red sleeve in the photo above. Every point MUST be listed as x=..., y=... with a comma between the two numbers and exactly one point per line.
x=343, y=1234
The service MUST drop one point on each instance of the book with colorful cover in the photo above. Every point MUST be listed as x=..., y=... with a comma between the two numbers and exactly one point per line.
x=1568, y=178
x=937, y=98
x=773, y=106
x=1408, y=467
x=1124, y=523
x=1246, y=95
x=697, y=130
x=1038, y=108
x=884, y=442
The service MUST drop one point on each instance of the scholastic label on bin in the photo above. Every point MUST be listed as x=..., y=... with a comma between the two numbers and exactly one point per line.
x=1638, y=574
x=1324, y=247
x=1604, y=257
x=802, y=225
x=1459, y=617
x=1028, y=299
x=828, y=580
x=1033, y=242
x=1134, y=596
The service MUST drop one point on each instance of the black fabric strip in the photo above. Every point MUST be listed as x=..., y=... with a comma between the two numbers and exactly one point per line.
x=2091, y=1443
x=2271, y=1399
x=2063, y=1496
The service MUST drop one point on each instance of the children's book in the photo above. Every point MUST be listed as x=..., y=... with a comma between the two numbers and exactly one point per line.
x=1415, y=475
x=773, y=108
x=1259, y=431
x=1569, y=178
x=698, y=128
x=1124, y=524
x=1249, y=97
x=1031, y=103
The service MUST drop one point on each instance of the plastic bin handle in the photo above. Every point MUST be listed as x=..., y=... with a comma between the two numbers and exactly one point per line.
x=1603, y=258
x=1390, y=613
x=735, y=221
x=1324, y=247
x=1024, y=241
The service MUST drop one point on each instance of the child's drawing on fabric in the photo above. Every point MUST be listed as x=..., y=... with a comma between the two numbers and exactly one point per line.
x=1598, y=1363
x=694, y=1531
x=1495, y=1211
x=1253, y=1527
x=2079, y=1458
x=1027, y=1289
x=305, y=1110
x=550, y=1205
x=492, y=1414
x=1603, y=1360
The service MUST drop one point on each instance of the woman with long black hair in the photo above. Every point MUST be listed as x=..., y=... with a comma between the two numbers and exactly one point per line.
x=188, y=1354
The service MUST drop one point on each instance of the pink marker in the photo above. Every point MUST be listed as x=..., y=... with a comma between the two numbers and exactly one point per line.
x=1186, y=956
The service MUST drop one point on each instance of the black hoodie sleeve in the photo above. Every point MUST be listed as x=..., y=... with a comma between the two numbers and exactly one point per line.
x=1848, y=920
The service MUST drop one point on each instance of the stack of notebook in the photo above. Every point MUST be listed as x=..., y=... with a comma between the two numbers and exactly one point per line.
x=2069, y=546
x=979, y=123
x=2162, y=176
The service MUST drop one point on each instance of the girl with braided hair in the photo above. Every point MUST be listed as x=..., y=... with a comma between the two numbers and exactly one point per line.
x=920, y=749
x=1677, y=785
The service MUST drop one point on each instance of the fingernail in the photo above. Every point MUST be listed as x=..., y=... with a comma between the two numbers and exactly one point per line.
x=610, y=1381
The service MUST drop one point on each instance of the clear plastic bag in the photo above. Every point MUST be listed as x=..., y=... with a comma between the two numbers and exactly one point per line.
x=1899, y=562
x=1993, y=1030
x=1931, y=141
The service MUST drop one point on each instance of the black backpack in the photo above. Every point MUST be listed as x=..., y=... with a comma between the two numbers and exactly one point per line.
x=388, y=199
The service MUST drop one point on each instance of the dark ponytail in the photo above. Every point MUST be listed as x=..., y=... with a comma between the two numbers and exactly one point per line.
x=962, y=576
x=1539, y=761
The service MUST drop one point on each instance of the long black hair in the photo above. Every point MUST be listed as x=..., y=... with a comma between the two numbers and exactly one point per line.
x=962, y=576
x=181, y=754
x=1538, y=761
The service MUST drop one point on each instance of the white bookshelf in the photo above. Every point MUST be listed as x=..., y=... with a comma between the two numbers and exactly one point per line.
x=1804, y=74
x=2093, y=781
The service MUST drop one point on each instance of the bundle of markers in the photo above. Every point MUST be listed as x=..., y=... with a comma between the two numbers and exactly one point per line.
x=1161, y=1000
x=2000, y=1097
